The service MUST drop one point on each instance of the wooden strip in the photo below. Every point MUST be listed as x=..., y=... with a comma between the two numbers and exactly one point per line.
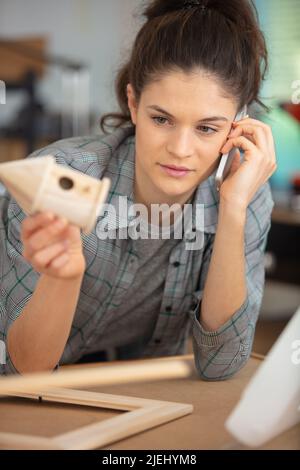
x=182, y=357
x=157, y=369
x=103, y=433
x=94, y=399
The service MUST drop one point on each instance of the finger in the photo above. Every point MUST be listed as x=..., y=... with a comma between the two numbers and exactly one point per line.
x=34, y=222
x=242, y=142
x=265, y=127
x=72, y=233
x=254, y=122
x=257, y=133
x=42, y=238
x=42, y=258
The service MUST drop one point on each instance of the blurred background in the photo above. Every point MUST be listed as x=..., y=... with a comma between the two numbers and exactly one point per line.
x=58, y=61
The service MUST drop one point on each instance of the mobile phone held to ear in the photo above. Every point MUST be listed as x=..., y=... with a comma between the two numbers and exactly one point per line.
x=226, y=159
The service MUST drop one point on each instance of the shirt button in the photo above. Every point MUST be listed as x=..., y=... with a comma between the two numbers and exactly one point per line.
x=157, y=341
x=168, y=308
x=176, y=264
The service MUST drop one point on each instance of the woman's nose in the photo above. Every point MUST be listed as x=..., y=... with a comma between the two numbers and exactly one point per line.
x=181, y=144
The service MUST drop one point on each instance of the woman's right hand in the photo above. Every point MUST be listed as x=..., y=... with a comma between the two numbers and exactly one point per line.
x=53, y=246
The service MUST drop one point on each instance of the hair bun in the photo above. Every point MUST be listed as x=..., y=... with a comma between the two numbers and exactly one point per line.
x=233, y=10
x=163, y=7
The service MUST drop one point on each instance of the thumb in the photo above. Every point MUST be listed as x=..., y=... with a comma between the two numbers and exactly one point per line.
x=73, y=234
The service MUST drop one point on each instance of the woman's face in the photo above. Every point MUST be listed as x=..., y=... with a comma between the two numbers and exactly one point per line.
x=181, y=121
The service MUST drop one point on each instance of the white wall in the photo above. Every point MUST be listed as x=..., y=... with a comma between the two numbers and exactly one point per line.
x=98, y=32
x=280, y=22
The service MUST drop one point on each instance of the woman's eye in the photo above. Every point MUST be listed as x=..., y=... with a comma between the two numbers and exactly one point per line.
x=159, y=119
x=207, y=130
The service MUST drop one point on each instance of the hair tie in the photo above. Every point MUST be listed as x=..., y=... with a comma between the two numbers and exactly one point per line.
x=187, y=5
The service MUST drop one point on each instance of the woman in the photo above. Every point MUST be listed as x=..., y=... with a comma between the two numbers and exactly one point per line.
x=66, y=295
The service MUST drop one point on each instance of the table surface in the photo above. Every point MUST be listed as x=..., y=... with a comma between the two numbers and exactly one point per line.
x=203, y=429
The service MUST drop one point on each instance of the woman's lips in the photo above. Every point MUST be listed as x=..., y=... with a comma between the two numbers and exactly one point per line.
x=173, y=172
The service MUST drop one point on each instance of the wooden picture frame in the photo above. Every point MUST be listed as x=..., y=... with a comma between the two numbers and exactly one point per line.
x=142, y=414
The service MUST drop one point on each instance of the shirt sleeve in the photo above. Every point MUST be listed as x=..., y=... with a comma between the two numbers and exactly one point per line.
x=220, y=354
x=18, y=279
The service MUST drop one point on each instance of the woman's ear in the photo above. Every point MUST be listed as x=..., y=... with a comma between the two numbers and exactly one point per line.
x=132, y=103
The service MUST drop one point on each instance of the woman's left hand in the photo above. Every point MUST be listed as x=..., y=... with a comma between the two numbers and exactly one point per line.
x=245, y=178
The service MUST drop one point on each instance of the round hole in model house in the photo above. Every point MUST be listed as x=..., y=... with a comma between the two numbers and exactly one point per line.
x=66, y=183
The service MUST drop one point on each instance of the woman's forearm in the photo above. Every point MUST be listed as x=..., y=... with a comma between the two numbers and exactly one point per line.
x=36, y=340
x=225, y=288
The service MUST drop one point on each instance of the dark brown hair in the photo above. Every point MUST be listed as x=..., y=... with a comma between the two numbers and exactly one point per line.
x=223, y=39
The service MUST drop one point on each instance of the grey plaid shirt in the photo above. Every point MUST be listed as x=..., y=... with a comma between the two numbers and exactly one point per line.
x=112, y=265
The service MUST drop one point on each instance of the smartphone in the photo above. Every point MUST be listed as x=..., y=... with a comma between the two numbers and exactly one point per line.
x=226, y=159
